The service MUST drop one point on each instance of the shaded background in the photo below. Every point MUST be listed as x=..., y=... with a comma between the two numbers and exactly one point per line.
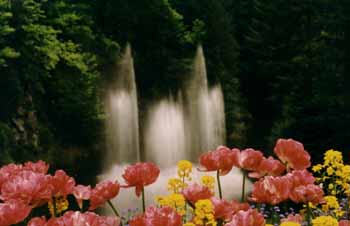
x=284, y=66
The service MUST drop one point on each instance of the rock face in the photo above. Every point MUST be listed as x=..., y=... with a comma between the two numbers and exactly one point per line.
x=25, y=124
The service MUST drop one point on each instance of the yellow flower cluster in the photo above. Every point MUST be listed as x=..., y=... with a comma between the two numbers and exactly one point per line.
x=176, y=201
x=325, y=221
x=184, y=169
x=189, y=224
x=61, y=205
x=331, y=204
x=289, y=223
x=208, y=181
x=203, y=213
x=334, y=176
x=176, y=185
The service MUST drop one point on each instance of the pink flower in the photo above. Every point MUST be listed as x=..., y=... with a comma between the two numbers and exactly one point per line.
x=222, y=159
x=37, y=167
x=157, y=217
x=13, y=212
x=237, y=206
x=195, y=192
x=269, y=166
x=344, y=223
x=250, y=159
x=225, y=210
x=30, y=187
x=7, y=171
x=293, y=218
x=77, y=218
x=37, y=221
x=247, y=218
x=301, y=177
x=222, y=209
x=292, y=153
x=140, y=175
x=103, y=192
x=62, y=184
x=81, y=193
x=272, y=190
x=307, y=193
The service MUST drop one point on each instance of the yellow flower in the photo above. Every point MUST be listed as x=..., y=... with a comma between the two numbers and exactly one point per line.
x=176, y=185
x=208, y=181
x=61, y=205
x=176, y=201
x=330, y=171
x=289, y=223
x=325, y=221
x=189, y=224
x=184, y=169
x=331, y=203
x=333, y=157
x=204, y=213
x=317, y=168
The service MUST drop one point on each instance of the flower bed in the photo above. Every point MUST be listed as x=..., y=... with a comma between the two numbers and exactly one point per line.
x=284, y=192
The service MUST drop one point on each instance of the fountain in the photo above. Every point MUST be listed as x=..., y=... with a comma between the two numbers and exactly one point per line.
x=122, y=114
x=175, y=129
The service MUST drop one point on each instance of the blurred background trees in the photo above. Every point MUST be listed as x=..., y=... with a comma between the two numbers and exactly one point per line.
x=283, y=66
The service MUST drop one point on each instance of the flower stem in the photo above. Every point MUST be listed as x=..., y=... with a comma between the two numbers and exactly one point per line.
x=113, y=208
x=143, y=200
x=308, y=214
x=219, y=184
x=243, y=187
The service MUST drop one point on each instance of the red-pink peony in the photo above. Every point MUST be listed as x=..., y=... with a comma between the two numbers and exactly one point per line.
x=37, y=167
x=344, y=223
x=307, y=193
x=81, y=193
x=292, y=153
x=62, y=184
x=301, y=177
x=13, y=212
x=268, y=166
x=272, y=190
x=250, y=217
x=157, y=217
x=140, y=175
x=195, y=192
x=222, y=160
x=250, y=159
x=29, y=187
x=103, y=192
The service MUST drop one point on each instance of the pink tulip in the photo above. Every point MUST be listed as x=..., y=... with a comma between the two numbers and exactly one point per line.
x=272, y=190
x=195, y=192
x=157, y=217
x=247, y=218
x=37, y=221
x=222, y=160
x=62, y=184
x=344, y=223
x=269, y=166
x=140, y=175
x=293, y=218
x=8, y=171
x=250, y=159
x=103, y=192
x=13, y=212
x=301, y=177
x=37, y=167
x=292, y=153
x=307, y=193
x=29, y=187
x=222, y=209
x=81, y=193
